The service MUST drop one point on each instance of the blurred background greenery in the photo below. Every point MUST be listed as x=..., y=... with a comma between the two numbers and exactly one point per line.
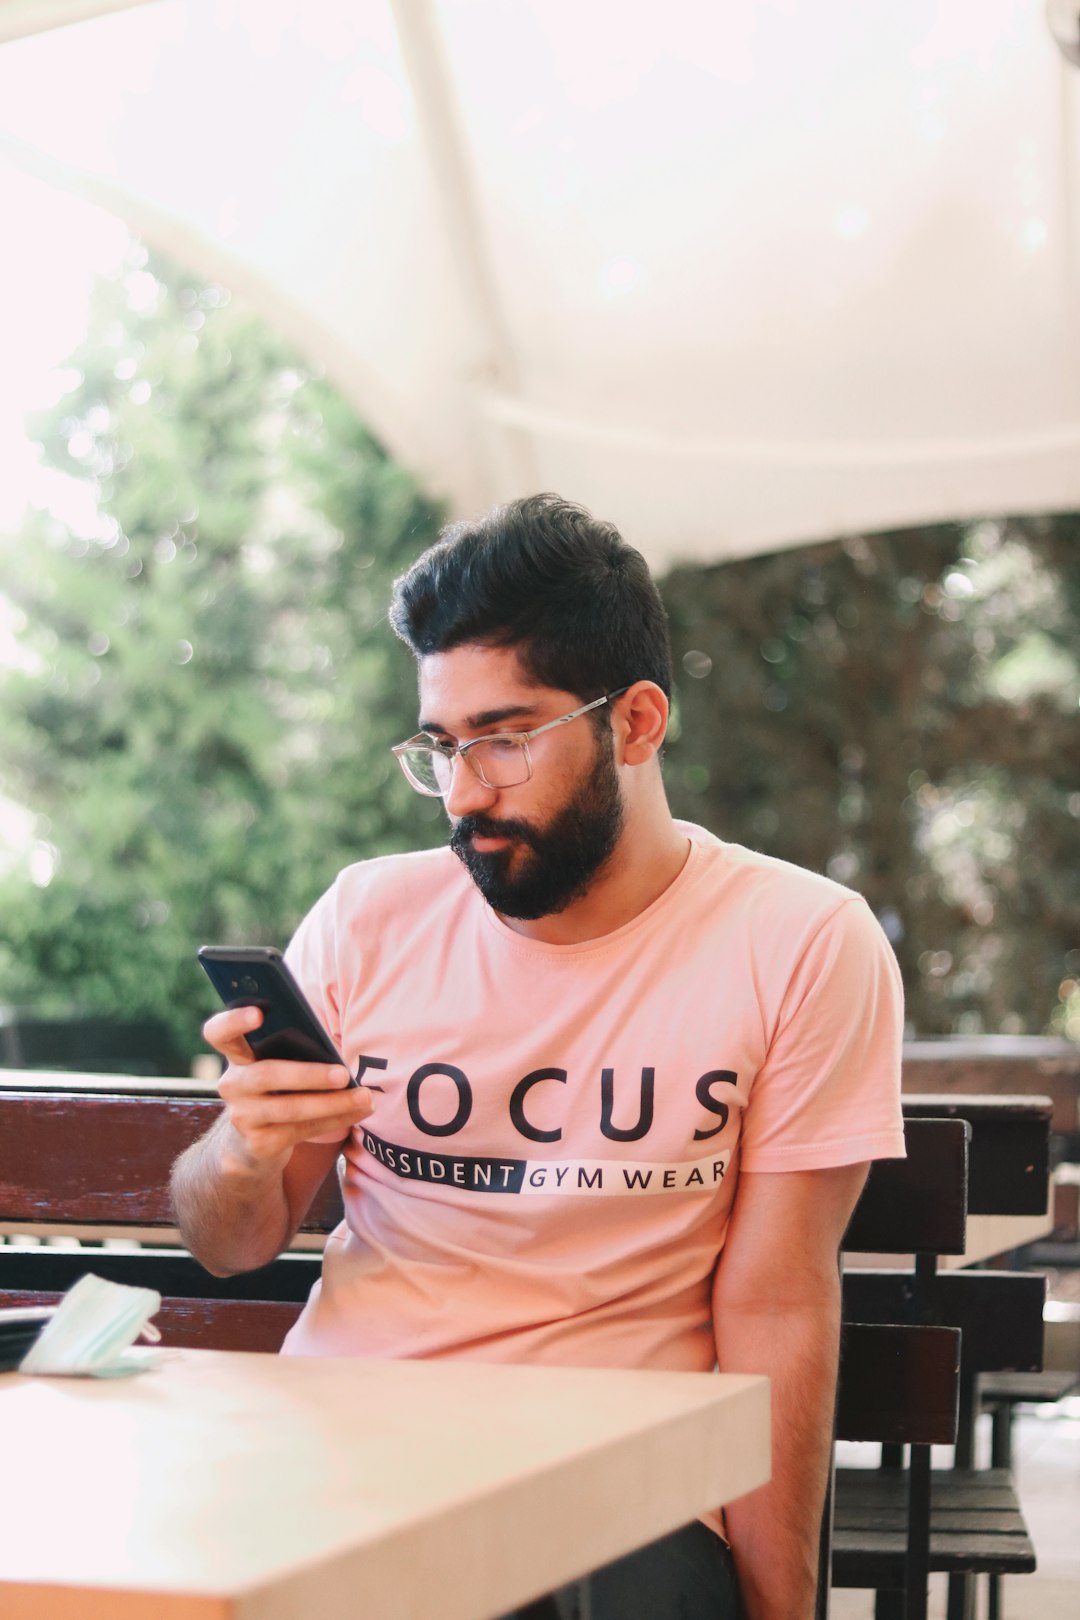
x=204, y=689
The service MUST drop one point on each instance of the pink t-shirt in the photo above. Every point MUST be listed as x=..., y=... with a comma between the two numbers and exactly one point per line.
x=548, y=1171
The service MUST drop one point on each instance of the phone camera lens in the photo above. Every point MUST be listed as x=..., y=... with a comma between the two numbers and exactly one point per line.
x=249, y=985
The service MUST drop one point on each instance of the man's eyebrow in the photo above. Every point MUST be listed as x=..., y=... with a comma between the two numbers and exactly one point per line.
x=486, y=717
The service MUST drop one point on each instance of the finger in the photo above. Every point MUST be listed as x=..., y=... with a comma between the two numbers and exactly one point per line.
x=226, y=1032
x=268, y=1110
x=337, y=1130
x=267, y=1135
x=275, y=1075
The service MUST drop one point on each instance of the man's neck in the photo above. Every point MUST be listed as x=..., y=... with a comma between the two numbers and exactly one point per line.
x=637, y=873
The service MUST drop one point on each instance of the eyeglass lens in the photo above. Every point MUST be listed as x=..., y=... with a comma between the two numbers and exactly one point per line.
x=498, y=761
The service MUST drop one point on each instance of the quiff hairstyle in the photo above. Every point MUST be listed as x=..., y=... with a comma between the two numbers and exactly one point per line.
x=544, y=576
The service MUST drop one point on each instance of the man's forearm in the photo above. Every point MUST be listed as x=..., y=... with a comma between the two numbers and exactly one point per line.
x=775, y=1531
x=233, y=1217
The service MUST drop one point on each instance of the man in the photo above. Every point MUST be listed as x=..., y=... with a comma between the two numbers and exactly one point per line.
x=629, y=1077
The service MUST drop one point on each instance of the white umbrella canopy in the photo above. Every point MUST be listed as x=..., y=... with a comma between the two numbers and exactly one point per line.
x=736, y=277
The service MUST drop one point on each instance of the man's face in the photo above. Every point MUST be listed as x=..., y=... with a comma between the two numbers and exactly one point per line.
x=532, y=849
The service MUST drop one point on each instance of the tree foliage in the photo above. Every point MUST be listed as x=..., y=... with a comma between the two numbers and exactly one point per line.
x=900, y=711
x=207, y=686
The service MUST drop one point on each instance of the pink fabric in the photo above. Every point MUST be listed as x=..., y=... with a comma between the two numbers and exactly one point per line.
x=548, y=1172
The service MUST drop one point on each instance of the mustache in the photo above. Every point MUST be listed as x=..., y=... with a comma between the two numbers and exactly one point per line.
x=481, y=826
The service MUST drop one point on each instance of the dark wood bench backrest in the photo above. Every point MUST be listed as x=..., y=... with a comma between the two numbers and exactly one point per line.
x=899, y=1377
x=96, y=1159
x=79, y=1159
x=1009, y=1152
x=100, y=1159
x=73, y=1157
x=916, y=1205
x=999, y=1313
x=899, y=1385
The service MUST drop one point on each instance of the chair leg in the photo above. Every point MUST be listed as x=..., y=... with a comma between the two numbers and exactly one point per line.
x=961, y=1604
x=916, y=1596
x=889, y=1605
x=1001, y=1436
x=1001, y=1420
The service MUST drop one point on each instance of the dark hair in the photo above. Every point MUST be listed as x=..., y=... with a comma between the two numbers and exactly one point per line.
x=544, y=576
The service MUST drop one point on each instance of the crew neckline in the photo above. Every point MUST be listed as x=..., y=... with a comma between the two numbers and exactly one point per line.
x=700, y=840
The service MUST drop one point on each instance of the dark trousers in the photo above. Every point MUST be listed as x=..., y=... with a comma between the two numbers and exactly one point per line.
x=689, y=1575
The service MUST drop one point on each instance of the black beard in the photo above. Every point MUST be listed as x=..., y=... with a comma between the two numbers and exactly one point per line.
x=564, y=856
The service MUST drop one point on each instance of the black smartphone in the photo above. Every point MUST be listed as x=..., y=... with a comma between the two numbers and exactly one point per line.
x=257, y=976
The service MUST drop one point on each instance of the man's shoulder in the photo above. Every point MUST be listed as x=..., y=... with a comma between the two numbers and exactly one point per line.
x=397, y=880
x=766, y=881
x=776, y=910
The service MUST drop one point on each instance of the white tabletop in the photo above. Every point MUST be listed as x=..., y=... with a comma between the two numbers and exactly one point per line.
x=278, y=1488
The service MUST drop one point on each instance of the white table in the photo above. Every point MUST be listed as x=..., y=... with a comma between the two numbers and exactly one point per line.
x=265, y=1488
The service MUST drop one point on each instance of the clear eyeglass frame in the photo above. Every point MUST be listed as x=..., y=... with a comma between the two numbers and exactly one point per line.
x=500, y=759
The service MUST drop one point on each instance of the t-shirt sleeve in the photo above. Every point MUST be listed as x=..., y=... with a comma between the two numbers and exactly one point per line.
x=312, y=956
x=828, y=1092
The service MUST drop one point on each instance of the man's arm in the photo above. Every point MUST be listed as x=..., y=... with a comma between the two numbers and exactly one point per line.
x=241, y=1191
x=776, y=1310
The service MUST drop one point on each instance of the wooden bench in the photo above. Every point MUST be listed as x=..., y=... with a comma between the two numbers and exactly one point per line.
x=898, y=1385
x=1012, y=1153
x=95, y=1166
x=975, y=1518
x=1011, y=1066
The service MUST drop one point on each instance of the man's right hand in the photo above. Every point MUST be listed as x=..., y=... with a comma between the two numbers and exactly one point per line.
x=275, y=1105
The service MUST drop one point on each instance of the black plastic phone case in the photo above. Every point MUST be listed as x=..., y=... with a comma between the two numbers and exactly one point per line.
x=258, y=977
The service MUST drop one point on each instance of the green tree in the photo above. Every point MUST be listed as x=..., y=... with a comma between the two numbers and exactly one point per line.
x=207, y=690
x=208, y=685
x=900, y=711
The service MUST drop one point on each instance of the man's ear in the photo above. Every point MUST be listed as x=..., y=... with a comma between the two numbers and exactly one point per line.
x=641, y=720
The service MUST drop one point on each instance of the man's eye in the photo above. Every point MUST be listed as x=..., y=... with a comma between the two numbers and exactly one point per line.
x=503, y=745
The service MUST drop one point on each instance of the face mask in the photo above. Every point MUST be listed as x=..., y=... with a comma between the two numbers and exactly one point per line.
x=92, y=1328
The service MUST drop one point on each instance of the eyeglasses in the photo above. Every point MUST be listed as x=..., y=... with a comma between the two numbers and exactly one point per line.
x=501, y=760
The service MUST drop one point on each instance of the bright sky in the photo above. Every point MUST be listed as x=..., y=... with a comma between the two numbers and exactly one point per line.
x=55, y=245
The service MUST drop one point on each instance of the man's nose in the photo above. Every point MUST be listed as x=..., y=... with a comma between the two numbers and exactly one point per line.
x=467, y=793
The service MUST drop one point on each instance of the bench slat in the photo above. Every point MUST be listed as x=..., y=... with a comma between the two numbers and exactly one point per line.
x=1009, y=1159
x=173, y=1272
x=976, y=1524
x=916, y=1205
x=877, y=1559
x=106, y=1159
x=196, y=1324
x=999, y=1313
x=997, y=1520
x=898, y=1383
